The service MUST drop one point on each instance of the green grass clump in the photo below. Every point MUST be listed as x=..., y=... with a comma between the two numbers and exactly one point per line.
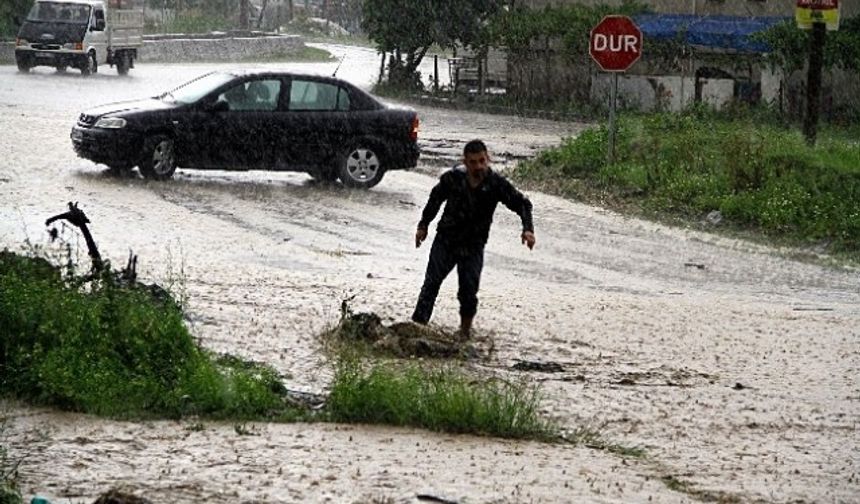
x=103, y=348
x=760, y=174
x=438, y=398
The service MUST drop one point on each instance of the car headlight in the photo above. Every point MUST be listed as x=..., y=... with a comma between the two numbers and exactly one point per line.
x=21, y=42
x=73, y=46
x=110, y=123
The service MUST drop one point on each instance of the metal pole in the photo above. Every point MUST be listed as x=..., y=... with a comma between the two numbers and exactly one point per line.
x=436, y=73
x=610, y=155
x=813, y=81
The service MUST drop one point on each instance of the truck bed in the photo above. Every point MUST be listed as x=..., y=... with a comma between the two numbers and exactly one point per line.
x=125, y=23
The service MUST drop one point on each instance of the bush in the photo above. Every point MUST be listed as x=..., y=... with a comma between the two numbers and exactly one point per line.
x=109, y=349
x=758, y=173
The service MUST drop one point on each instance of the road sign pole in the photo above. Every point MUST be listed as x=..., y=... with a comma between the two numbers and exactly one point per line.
x=615, y=44
x=813, y=82
x=610, y=154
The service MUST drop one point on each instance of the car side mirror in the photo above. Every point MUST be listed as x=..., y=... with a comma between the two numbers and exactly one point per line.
x=100, y=25
x=16, y=20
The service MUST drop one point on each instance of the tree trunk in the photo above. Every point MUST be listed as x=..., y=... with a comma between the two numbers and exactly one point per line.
x=243, y=14
x=262, y=13
x=325, y=15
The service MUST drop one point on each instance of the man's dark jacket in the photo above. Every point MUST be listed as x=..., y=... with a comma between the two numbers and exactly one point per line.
x=469, y=212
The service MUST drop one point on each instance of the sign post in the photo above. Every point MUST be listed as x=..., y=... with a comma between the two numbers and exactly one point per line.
x=817, y=16
x=615, y=44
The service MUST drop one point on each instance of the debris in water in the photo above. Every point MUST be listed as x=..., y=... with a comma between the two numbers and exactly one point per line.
x=543, y=367
x=401, y=339
x=114, y=496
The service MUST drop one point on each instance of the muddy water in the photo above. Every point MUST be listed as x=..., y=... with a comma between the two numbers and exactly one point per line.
x=733, y=367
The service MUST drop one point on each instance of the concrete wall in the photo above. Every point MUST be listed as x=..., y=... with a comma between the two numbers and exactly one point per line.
x=717, y=92
x=7, y=53
x=644, y=92
x=196, y=49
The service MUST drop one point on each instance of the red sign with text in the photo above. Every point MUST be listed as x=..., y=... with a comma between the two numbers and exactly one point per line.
x=616, y=43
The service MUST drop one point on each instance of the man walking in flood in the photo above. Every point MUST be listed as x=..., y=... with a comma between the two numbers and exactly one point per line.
x=471, y=193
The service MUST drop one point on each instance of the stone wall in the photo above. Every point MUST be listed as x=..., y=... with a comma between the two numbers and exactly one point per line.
x=220, y=49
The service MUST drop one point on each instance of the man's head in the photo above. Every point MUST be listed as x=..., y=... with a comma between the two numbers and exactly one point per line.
x=476, y=158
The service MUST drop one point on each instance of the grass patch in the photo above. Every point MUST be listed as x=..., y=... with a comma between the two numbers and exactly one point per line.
x=759, y=174
x=439, y=398
x=104, y=348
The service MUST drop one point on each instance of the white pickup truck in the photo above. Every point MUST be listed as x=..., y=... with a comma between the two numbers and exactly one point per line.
x=82, y=34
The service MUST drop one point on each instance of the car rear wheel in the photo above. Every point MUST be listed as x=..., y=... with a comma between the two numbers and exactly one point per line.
x=159, y=160
x=361, y=167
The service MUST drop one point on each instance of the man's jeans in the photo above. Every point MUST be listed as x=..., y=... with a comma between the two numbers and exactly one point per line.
x=443, y=257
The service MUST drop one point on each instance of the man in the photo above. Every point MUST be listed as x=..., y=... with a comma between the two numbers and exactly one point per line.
x=471, y=193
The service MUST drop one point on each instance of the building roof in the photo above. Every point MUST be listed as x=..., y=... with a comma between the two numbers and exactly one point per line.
x=721, y=33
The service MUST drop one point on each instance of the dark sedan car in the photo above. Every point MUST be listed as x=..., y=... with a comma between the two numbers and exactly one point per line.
x=254, y=121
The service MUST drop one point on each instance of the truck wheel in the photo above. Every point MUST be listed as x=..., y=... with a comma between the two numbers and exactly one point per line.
x=61, y=68
x=91, y=66
x=159, y=161
x=361, y=167
x=123, y=63
x=23, y=67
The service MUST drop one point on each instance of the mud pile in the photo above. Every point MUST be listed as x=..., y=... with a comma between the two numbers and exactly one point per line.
x=403, y=339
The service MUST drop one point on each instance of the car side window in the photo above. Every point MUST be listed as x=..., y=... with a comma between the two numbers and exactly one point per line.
x=312, y=95
x=255, y=95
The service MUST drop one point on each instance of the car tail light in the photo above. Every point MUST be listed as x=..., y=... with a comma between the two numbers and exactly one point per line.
x=414, y=133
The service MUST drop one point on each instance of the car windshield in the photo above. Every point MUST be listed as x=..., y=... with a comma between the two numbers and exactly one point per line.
x=192, y=91
x=58, y=12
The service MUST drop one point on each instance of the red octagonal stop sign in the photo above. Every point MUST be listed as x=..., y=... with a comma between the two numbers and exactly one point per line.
x=616, y=43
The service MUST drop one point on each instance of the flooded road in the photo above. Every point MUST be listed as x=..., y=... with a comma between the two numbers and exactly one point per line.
x=735, y=368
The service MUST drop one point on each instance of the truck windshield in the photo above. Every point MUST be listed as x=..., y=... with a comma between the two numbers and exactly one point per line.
x=59, y=12
x=192, y=91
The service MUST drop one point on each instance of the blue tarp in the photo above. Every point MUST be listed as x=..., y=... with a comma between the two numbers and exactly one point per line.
x=727, y=33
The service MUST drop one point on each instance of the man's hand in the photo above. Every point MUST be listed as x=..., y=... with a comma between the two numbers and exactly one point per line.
x=421, y=235
x=528, y=239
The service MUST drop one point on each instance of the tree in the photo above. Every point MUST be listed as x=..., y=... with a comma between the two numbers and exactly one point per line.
x=407, y=29
x=8, y=10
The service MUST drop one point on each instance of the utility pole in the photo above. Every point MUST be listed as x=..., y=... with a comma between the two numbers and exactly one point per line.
x=813, y=81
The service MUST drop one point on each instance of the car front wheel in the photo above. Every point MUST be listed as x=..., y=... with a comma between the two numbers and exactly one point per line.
x=159, y=160
x=361, y=167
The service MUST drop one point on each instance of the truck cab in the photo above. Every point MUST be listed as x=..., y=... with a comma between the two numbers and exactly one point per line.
x=82, y=34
